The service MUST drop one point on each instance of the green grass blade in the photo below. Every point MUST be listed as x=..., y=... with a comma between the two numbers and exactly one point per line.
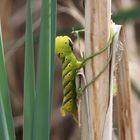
x=126, y=14
x=29, y=78
x=45, y=71
x=53, y=34
x=6, y=120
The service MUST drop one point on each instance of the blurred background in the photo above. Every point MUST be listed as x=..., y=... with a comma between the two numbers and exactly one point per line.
x=70, y=14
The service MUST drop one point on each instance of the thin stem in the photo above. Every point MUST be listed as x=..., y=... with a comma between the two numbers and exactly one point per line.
x=100, y=51
x=81, y=91
x=108, y=61
x=78, y=31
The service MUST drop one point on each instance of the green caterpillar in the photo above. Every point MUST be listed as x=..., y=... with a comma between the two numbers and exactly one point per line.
x=64, y=50
x=70, y=64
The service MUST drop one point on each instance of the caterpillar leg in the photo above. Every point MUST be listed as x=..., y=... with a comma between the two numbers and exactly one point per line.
x=79, y=93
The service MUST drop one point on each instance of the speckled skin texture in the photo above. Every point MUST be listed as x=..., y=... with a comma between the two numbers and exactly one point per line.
x=64, y=50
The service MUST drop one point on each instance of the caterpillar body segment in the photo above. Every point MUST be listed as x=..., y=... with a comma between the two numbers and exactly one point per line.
x=70, y=66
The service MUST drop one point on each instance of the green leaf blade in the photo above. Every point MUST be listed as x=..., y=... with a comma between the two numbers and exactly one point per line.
x=29, y=78
x=45, y=71
x=6, y=129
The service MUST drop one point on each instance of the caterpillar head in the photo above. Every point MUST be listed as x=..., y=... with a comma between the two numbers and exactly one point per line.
x=63, y=46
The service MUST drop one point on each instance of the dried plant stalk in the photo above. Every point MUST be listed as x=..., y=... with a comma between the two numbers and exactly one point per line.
x=98, y=15
x=125, y=124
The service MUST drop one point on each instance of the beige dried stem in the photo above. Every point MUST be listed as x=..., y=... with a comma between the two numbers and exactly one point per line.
x=98, y=21
x=125, y=123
